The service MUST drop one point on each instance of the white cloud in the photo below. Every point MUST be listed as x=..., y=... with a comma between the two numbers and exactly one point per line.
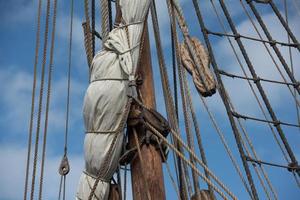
x=17, y=87
x=12, y=172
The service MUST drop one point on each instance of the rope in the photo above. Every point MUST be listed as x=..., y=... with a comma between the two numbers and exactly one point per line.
x=105, y=166
x=291, y=59
x=189, y=135
x=273, y=42
x=277, y=67
x=169, y=103
x=266, y=47
x=69, y=78
x=104, y=19
x=168, y=169
x=48, y=99
x=177, y=137
x=93, y=27
x=253, y=73
x=275, y=48
x=190, y=66
x=37, y=45
x=225, y=100
x=40, y=100
x=246, y=76
x=175, y=87
x=191, y=47
x=197, y=129
x=284, y=24
x=191, y=165
x=88, y=36
x=225, y=144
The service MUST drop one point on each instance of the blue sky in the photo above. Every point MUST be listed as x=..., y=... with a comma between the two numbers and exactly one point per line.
x=16, y=72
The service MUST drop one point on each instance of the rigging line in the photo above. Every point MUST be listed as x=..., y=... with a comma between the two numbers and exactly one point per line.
x=275, y=123
x=171, y=113
x=275, y=48
x=40, y=106
x=93, y=27
x=60, y=187
x=249, y=142
x=157, y=133
x=291, y=58
x=225, y=144
x=186, y=147
x=175, y=87
x=69, y=78
x=225, y=101
x=253, y=79
x=259, y=162
x=183, y=181
x=104, y=19
x=86, y=12
x=88, y=35
x=174, y=70
x=258, y=84
x=284, y=24
x=187, y=40
x=50, y=71
x=277, y=67
x=142, y=164
x=125, y=168
x=125, y=182
x=110, y=18
x=168, y=169
x=197, y=130
x=119, y=181
x=190, y=138
x=273, y=42
x=245, y=74
x=266, y=47
x=64, y=187
x=213, y=176
x=37, y=45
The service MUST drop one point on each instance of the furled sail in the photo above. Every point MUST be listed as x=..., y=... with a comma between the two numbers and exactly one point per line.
x=106, y=101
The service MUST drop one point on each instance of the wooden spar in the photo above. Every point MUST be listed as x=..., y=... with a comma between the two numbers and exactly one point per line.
x=152, y=162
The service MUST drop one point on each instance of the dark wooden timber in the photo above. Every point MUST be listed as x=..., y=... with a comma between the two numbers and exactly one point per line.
x=152, y=161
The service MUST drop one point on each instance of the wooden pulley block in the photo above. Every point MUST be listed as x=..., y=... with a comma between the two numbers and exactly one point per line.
x=156, y=120
x=64, y=167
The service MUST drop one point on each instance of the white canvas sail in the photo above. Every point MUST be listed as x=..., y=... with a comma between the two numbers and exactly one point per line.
x=106, y=99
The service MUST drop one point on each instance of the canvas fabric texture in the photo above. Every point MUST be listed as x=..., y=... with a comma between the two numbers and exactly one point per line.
x=105, y=100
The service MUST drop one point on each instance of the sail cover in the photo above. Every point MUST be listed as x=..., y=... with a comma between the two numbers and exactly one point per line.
x=106, y=99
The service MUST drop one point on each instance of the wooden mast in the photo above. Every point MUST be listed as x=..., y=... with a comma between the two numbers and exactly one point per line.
x=152, y=162
x=152, y=165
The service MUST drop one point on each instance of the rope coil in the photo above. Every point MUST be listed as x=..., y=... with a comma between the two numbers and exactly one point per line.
x=190, y=66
